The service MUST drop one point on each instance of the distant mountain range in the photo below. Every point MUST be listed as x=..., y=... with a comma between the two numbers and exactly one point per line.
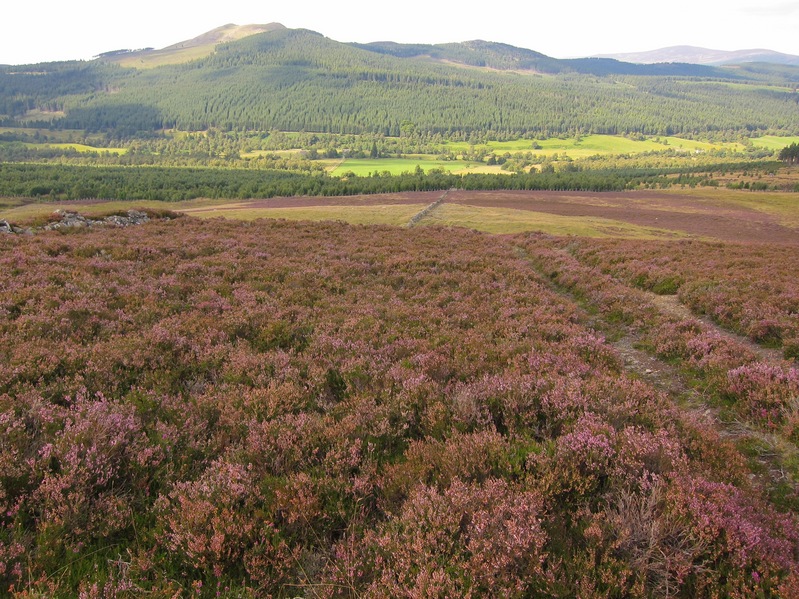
x=705, y=56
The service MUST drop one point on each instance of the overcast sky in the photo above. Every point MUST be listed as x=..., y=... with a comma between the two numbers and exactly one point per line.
x=58, y=29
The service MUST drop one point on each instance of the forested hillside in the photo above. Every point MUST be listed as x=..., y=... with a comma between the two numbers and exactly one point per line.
x=298, y=80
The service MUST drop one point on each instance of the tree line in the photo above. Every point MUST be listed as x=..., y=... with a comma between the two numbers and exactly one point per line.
x=790, y=154
x=66, y=182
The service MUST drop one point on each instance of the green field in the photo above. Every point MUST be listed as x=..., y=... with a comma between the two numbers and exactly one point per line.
x=77, y=147
x=574, y=148
x=591, y=145
x=365, y=166
x=772, y=142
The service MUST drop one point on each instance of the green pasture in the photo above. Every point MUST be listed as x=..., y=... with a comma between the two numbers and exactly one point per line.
x=363, y=167
x=772, y=142
x=591, y=145
x=82, y=148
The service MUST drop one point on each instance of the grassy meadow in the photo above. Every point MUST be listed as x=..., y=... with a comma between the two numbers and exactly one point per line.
x=363, y=167
x=82, y=148
x=773, y=142
x=591, y=145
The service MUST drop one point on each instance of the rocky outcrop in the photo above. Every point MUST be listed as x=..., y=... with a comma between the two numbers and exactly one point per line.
x=66, y=219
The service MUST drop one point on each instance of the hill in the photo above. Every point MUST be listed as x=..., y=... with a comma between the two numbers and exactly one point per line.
x=299, y=80
x=705, y=56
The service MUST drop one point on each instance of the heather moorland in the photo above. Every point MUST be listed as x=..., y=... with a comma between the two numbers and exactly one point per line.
x=276, y=408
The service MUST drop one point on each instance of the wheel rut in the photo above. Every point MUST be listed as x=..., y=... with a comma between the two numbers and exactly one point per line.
x=689, y=397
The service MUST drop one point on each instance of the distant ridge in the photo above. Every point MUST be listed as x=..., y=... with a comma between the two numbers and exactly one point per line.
x=704, y=56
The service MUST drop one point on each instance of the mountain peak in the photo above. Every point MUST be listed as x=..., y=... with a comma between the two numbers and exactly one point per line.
x=188, y=50
x=226, y=33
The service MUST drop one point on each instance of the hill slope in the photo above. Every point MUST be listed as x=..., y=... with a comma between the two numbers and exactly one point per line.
x=299, y=80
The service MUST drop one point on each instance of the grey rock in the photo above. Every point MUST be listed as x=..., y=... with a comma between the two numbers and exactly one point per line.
x=68, y=219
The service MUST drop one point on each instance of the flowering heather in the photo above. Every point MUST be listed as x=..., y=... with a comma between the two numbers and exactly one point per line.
x=750, y=289
x=601, y=273
x=766, y=391
x=219, y=409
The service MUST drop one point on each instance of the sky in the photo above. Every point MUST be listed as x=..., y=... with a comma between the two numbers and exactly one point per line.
x=80, y=29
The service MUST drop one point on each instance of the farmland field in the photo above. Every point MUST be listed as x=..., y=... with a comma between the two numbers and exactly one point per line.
x=589, y=145
x=366, y=166
x=77, y=147
x=252, y=407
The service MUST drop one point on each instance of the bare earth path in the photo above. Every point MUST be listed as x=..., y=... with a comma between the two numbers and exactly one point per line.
x=773, y=451
x=670, y=304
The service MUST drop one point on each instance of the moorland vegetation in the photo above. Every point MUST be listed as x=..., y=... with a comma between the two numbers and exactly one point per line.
x=276, y=408
x=204, y=410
